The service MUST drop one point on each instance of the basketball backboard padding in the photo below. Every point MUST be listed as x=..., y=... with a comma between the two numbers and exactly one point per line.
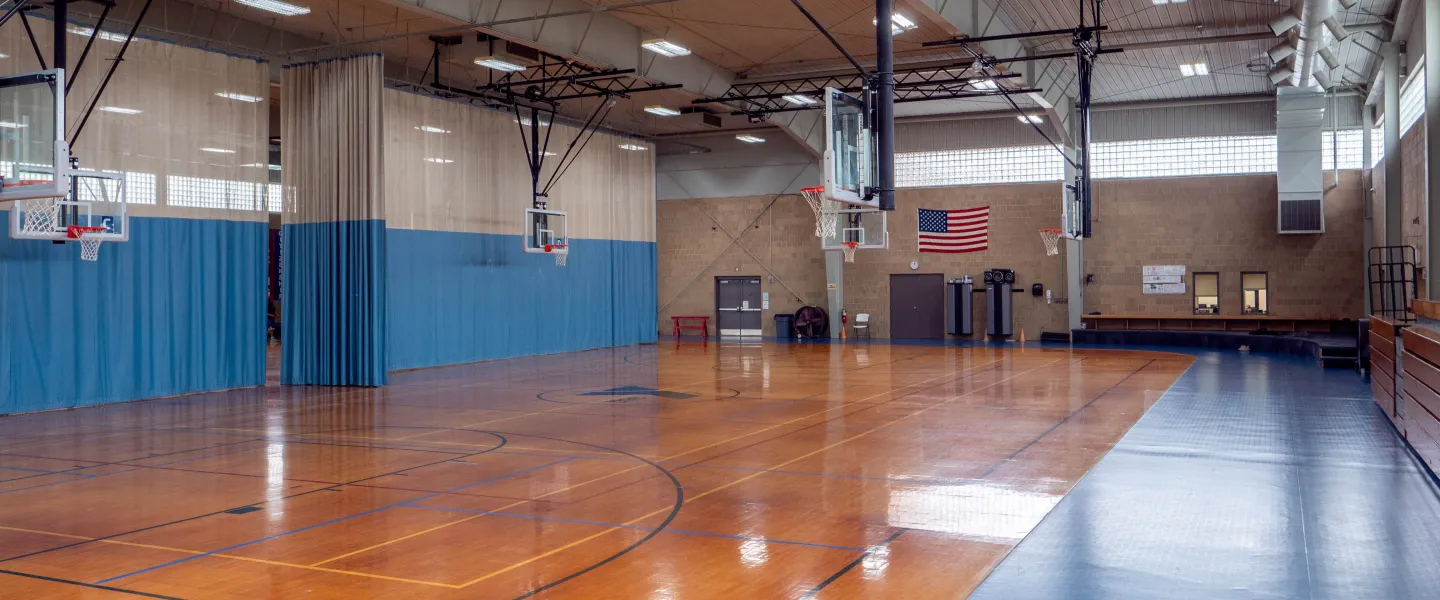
x=867, y=227
x=849, y=149
x=32, y=136
x=546, y=228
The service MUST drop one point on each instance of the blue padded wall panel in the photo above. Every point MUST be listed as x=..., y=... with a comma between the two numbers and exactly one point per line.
x=334, y=303
x=179, y=308
x=465, y=297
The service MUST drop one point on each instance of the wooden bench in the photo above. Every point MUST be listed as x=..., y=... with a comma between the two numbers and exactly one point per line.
x=688, y=323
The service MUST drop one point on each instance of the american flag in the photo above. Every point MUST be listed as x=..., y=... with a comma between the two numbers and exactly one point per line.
x=955, y=231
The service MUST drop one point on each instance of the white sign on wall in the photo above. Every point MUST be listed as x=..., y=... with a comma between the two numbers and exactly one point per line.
x=1164, y=279
x=1164, y=288
x=1170, y=270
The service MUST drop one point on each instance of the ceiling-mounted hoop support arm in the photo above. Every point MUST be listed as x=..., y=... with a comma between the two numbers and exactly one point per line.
x=105, y=83
x=94, y=33
x=14, y=10
x=39, y=56
x=833, y=42
x=572, y=152
x=1088, y=48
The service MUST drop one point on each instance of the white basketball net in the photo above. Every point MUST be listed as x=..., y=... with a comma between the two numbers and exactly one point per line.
x=90, y=246
x=560, y=254
x=1051, y=237
x=825, y=211
x=849, y=249
x=40, y=215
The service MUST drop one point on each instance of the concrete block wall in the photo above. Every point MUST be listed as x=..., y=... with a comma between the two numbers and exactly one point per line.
x=1224, y=224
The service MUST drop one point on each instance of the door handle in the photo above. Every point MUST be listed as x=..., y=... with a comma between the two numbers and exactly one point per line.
x=730, y=309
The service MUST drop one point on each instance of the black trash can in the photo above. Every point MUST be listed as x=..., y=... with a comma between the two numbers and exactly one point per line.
x=785, y=326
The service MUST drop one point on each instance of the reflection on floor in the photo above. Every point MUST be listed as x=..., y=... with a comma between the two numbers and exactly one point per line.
x=1256, y=476
x=670, y=471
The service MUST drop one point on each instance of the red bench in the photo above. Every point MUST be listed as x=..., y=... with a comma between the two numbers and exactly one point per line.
x=689, y=323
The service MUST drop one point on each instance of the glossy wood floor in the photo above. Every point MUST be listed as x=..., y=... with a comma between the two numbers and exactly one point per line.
x=658, y=472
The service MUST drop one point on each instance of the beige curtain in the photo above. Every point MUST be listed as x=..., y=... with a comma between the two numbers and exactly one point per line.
x=188, y=127
x=455, y=167
x=331, y=128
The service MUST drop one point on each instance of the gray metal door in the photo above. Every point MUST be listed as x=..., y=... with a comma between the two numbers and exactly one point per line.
x=737, y=305
x=917, y=307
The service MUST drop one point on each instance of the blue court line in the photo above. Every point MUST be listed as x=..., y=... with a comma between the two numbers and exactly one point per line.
x=639, y=528
x=330, y=522
x=773, y=406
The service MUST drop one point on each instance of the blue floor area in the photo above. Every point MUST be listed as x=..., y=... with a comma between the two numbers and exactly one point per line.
x=1255, y=476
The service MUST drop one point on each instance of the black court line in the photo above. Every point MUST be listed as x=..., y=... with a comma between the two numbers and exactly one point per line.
x=122, y=463
x=832, y=578
x=95, y=586
x=333, y=487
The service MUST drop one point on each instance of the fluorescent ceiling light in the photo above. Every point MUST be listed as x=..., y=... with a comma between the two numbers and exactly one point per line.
x=104, y=35
x=898, y=24
x=1193, y=69
x=240, y=97
x=274, y=167
x=11, y=125
x=499, y=64
x=277, y=7
x=1031, y=119
x=985, y=84
x=526, y=122
x=800, y=99
x=4, y=55
x=1164, y=2
x=548, y=153
x=429, y=129
x=217, y=150
x=664, y=48
x=635, y=147
x=439, y=161
x=663, y=111
x=120, y=110
x=254, y=165
x=750, y=139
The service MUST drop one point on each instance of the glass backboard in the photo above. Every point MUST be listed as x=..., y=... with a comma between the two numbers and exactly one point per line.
x=546, y=231
x=864, y=226
x=849, y=149
x=32, y=146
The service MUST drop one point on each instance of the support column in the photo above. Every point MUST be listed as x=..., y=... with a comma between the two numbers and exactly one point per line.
x=1432, y=143
x=834, y=289
x=1391, y=65
x=1074, y=259
x=1367, y=194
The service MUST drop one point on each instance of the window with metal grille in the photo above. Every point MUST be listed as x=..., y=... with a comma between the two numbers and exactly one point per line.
x=1412, y=97
x=977, y=167
x=1351, y=144
x=1180, y=157
x=273, y=197
x=1377, y=143
x=199, y=192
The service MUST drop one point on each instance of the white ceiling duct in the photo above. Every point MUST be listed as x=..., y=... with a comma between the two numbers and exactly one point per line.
x=1281, y=51
x=1323, y=79
x=1336, y=29
x=1284, y=23
x=1281, y=75
x=1328, y=56
x=1313, y=13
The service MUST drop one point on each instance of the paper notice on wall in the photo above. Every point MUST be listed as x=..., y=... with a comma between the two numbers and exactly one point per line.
x=1164, y=279
x=1171, y=270
x=1164, y=288
x=765, y=300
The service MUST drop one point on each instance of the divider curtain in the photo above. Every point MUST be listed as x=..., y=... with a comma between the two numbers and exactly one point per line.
x=334, y=224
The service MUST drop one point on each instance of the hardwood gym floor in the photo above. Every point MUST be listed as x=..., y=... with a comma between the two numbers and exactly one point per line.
x=670, y=471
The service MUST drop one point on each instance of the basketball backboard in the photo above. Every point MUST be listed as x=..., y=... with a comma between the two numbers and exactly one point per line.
x=849, y=149
x=32, y=136
x=546, y=232
x=95, y=200
x=863, y=226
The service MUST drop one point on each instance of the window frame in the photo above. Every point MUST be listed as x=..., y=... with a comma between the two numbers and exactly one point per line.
x=1262, y=298
x=1195, y=292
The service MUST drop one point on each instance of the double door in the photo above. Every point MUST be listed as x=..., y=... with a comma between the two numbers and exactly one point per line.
x=737, y=305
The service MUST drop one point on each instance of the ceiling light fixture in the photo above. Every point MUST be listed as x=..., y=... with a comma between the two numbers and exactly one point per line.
x=664, y=48
x=120, y=110
x=750, y=139
x=499, y=64
x=1031, y=119
x=898, y=24
x=12, y=125
x=276, y=6
x=104, y=35
x=429, y=129
x=240, y=97
x=1164, y=2
x=985, y=84
x=800, y=99
x=1193, y=69
x=217, y=150
x=663, y=111
x=4, y=55
x=439, y=161
x=632, y=147
x=526, y=122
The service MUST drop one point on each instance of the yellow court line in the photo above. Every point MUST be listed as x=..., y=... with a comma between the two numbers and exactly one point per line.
x=623, y=471
x=232, y=557
x=743, y=479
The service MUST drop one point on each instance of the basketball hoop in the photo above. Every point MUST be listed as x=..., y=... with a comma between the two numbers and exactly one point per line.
x=1051, y=237
x=849, y=249
x=89, y=242
x=560, y=251
x=825, y=210
x=40, y=214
